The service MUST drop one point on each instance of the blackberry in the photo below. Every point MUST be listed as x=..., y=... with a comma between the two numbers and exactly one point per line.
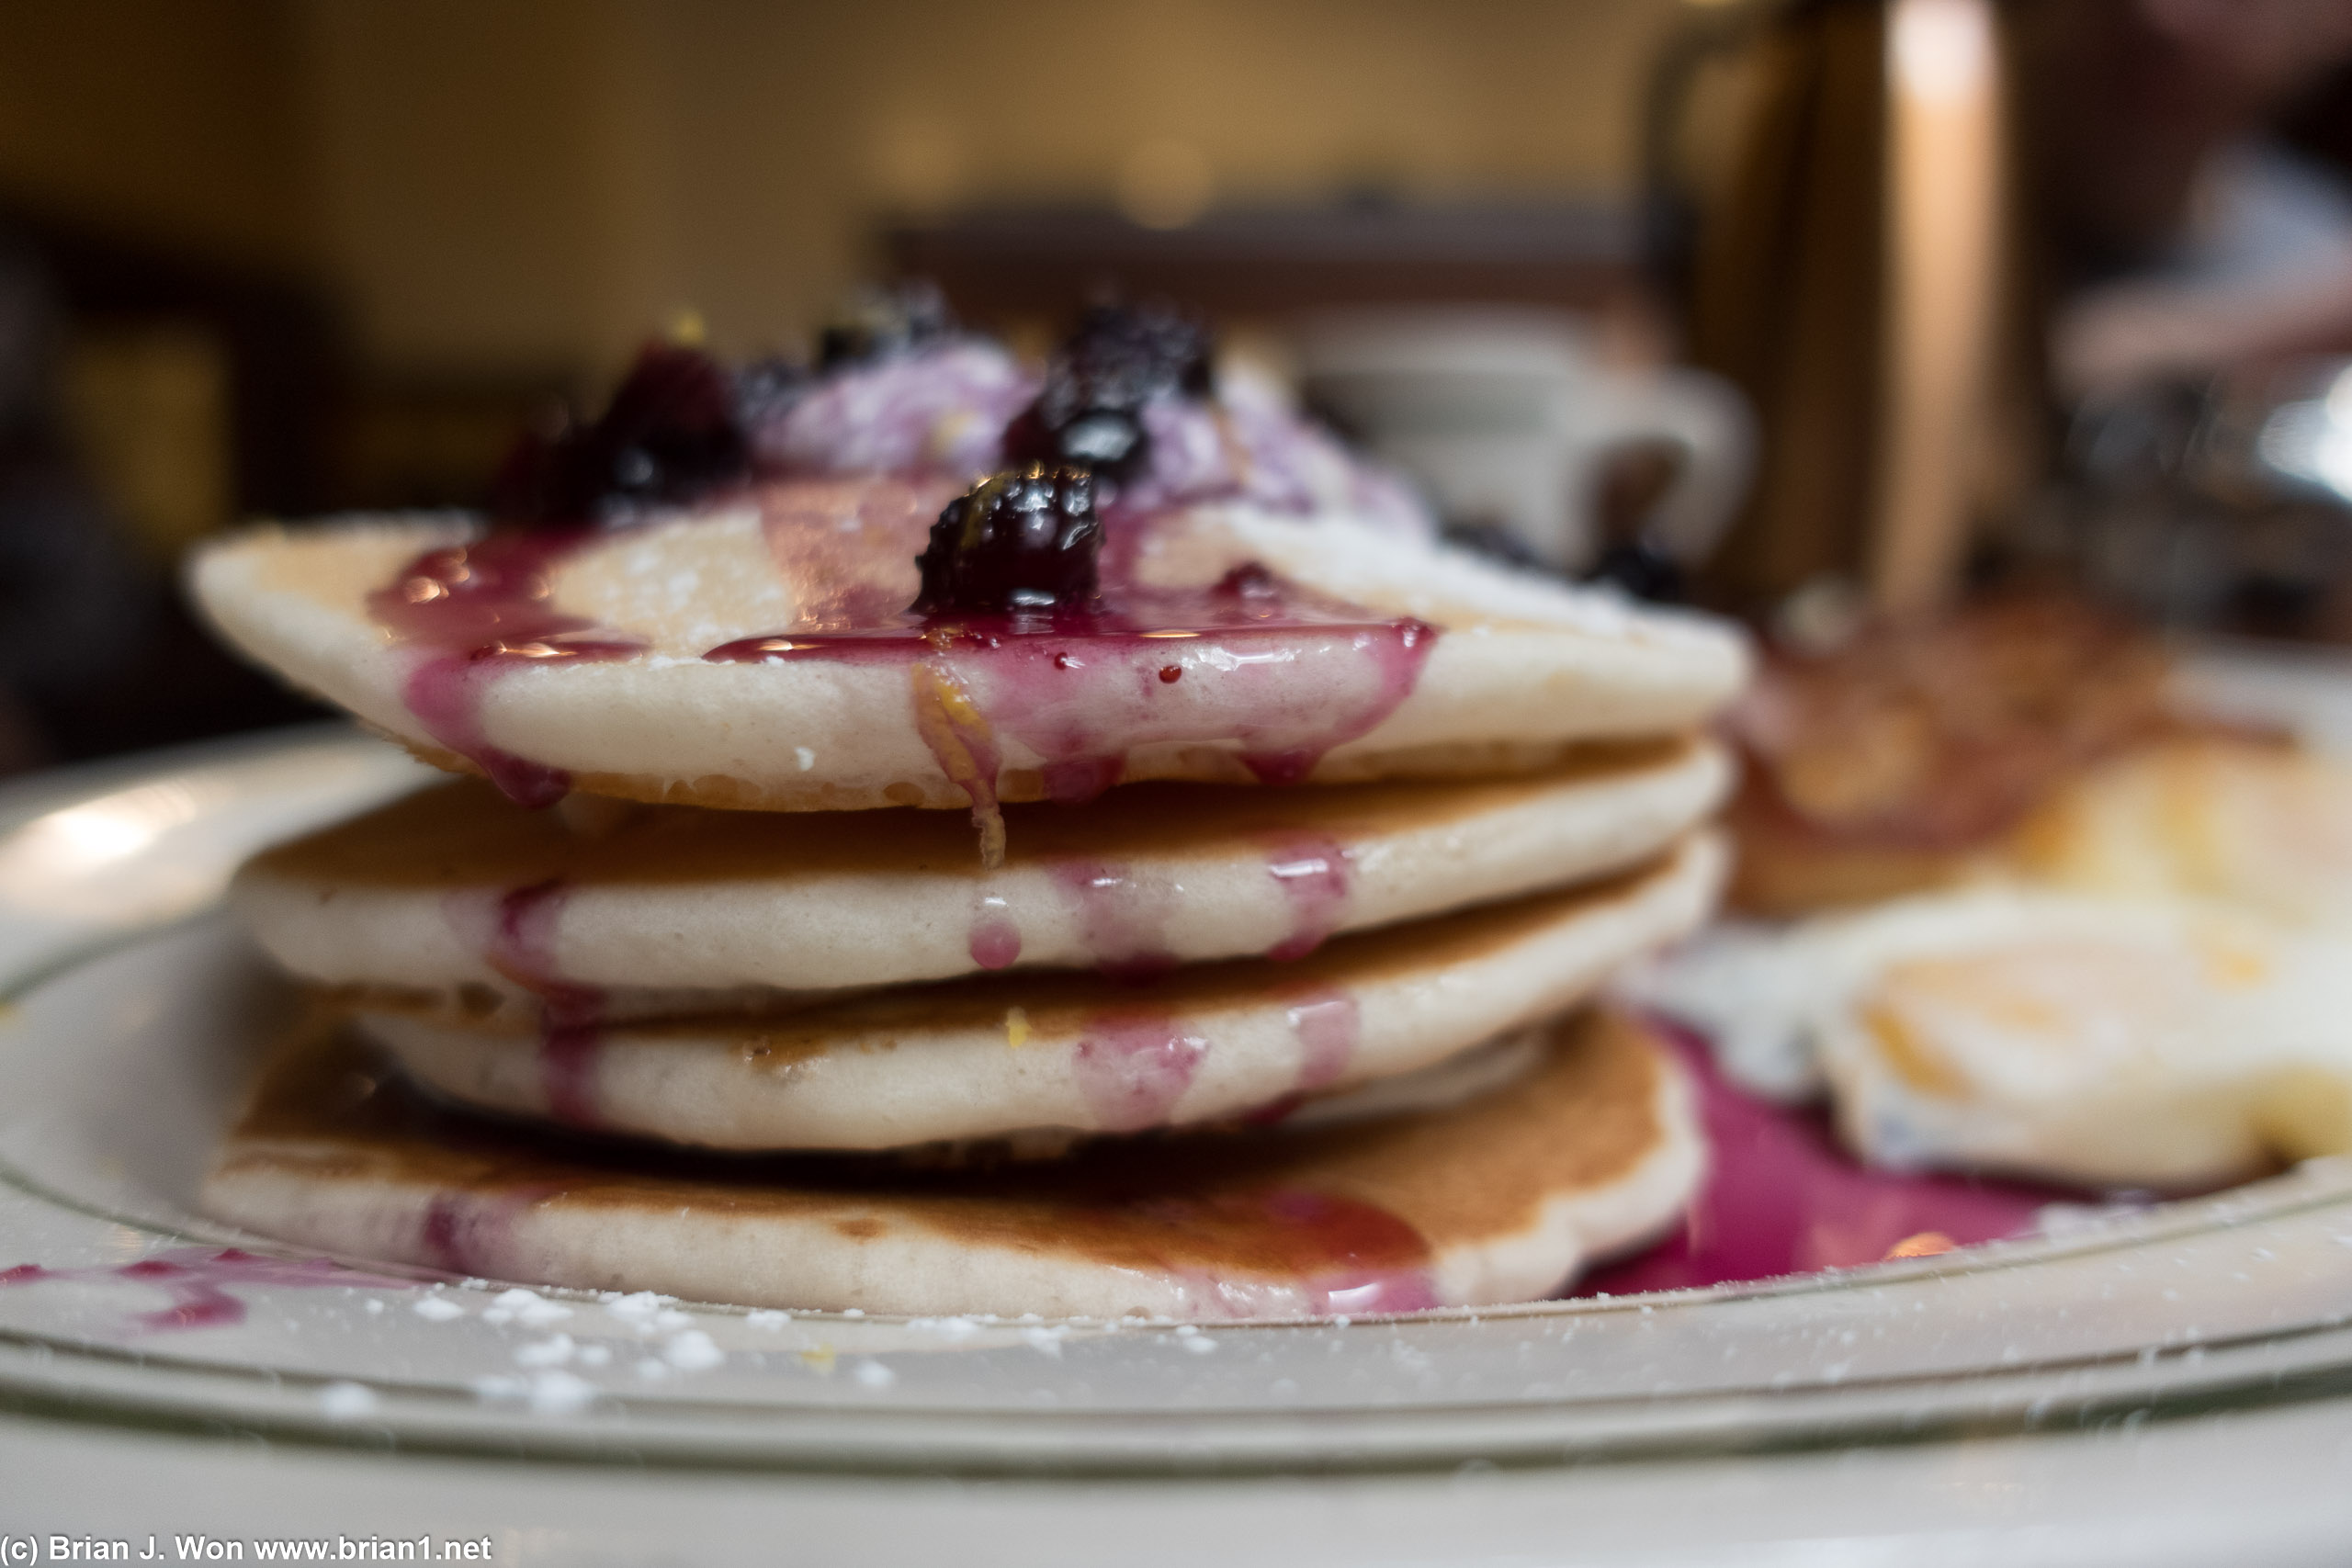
x=668, y=435
x=1024, y=539
x=1643, y=570
x=1120, y=357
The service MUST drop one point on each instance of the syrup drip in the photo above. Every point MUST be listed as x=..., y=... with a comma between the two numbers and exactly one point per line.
x=568, y=1074
x=953, y=726
x=476, y=611
x=1078, y=780
x=995, y=940
x=1328, y=1025
x=1361, y=1233
x=524, y=950
x=1124, y=923
x=1312, y=871
x=1081, y=689
x=1133, y=1069
x=1346, y=1257
x=472, y=1233
x=1276, y=1112
x=521, y=946
x=446, y=1236
x=1281, y=672
x=196, y=1278
x=519, y=942
x=1375, y=1291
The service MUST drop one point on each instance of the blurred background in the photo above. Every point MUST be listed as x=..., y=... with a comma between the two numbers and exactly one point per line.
x=1840, y=304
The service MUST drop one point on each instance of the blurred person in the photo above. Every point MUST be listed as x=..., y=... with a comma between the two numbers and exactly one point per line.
x=75, y=602
x=2182, y=236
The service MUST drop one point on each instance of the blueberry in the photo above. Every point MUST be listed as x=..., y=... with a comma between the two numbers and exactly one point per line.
x=1023, y=539
x=668, y=435
x=1120, y=357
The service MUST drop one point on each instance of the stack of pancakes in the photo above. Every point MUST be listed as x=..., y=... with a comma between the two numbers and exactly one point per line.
x=748, y=1018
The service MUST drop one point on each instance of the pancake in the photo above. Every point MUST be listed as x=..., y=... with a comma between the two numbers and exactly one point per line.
x=456, y=888
x=1499, y=1199
x=1010, y=1054
x=756, y=654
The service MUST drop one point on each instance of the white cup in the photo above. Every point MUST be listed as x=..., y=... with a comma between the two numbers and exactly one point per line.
x=1505, y=415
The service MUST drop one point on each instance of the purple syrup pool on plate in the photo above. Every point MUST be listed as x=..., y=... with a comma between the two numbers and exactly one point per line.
x=194, y=1280
x=1781, y=1196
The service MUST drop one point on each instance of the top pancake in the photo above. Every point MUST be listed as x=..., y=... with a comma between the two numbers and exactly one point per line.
x=1362, y=656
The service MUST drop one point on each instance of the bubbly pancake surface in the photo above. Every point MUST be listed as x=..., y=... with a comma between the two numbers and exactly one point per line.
x=1078, y=1053
x=1497, y=1199
x=455, y=887
x=757, y=654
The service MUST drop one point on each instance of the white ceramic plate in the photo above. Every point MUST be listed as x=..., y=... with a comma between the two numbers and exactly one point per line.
x=133, y=1010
